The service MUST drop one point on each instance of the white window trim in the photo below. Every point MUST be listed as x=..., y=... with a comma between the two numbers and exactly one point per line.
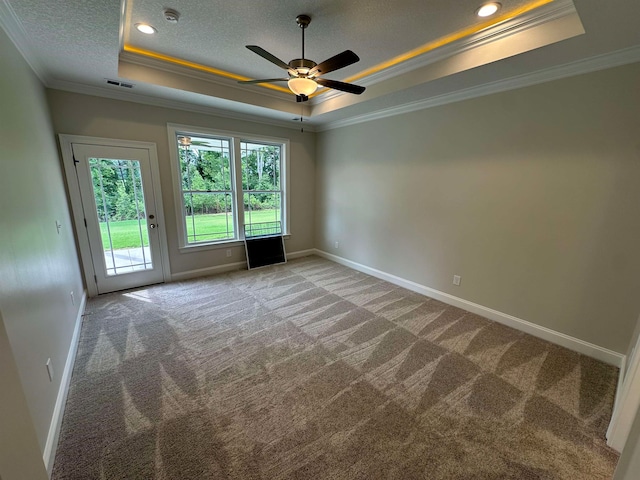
x=173, y=130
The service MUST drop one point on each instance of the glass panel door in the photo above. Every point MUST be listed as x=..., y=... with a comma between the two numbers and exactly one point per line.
x=119, y=207
x=119, y=197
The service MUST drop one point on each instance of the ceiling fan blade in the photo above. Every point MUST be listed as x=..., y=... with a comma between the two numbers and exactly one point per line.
x=267, y=56
x=336, y=62
x=344, y=87
x=264, y=80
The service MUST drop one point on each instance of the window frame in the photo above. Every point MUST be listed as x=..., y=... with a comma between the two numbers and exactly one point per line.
x=230, y=191
x=235, y=162
x=248, y=192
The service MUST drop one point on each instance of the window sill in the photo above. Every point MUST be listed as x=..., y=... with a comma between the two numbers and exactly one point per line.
x=218, y=245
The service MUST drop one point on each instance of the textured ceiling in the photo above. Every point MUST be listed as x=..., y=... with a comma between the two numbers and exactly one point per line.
x=76, y=45
x=72, y=39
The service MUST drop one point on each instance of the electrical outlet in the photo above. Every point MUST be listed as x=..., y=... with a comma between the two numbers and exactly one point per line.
x=336, y=245
x=73, y=300
x=456, y=279
x=228, y=252
x=49, y=369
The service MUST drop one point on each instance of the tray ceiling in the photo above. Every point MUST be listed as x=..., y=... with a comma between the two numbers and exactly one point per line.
x=409, y=50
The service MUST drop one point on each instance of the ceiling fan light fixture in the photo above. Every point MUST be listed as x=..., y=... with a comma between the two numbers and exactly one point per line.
x=302, y=85
x=146, y=28
x=488, y=9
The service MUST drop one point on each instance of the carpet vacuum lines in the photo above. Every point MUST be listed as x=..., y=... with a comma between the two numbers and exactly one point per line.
x=311, y=370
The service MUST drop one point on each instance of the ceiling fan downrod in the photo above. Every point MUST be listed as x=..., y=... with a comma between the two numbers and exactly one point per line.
x=303, y=22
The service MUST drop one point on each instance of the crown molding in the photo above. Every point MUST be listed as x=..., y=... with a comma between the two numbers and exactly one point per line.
x=579, y=67
x=133, y=97
x=156, y=64
x=138, y=68
x=547, y=13
x=592, y=64
x=14, y=29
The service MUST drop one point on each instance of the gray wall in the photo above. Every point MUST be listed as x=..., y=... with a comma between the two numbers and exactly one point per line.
x=38, y=267
x=20, y=455
x=530, y=195
x=101, y=117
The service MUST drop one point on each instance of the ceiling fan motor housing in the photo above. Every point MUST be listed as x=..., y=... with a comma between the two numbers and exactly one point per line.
x=298, y=64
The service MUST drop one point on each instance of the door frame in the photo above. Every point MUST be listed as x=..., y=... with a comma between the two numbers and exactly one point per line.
x=627, y=402
x=76, y=202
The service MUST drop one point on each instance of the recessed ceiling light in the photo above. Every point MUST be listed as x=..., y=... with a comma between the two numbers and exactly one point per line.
x=145, y=28
x=488, y=9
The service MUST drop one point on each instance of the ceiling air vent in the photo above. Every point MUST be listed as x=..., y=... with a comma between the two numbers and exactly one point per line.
x=119, y=84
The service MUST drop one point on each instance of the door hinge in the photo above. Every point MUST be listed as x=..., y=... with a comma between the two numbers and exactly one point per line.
x=85, y=222
x=95, y=279
x=75, y=162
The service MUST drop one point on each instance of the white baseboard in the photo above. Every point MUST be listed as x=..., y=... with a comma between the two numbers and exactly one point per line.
x=51, y=445
x=205, y=272
x=301, y=253
x=572, y=343
x=229, y=267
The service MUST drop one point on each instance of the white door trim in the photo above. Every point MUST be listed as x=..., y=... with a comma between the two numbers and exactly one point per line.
x=76, y=201
x=627, y=403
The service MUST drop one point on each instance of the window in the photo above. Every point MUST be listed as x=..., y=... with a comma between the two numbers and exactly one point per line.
x=227, y=185
x=262, y=195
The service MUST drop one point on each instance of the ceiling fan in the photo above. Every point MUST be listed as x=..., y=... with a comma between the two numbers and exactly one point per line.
x=304, y=74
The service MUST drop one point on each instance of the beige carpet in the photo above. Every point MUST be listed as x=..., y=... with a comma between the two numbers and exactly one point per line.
x=311, y=370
